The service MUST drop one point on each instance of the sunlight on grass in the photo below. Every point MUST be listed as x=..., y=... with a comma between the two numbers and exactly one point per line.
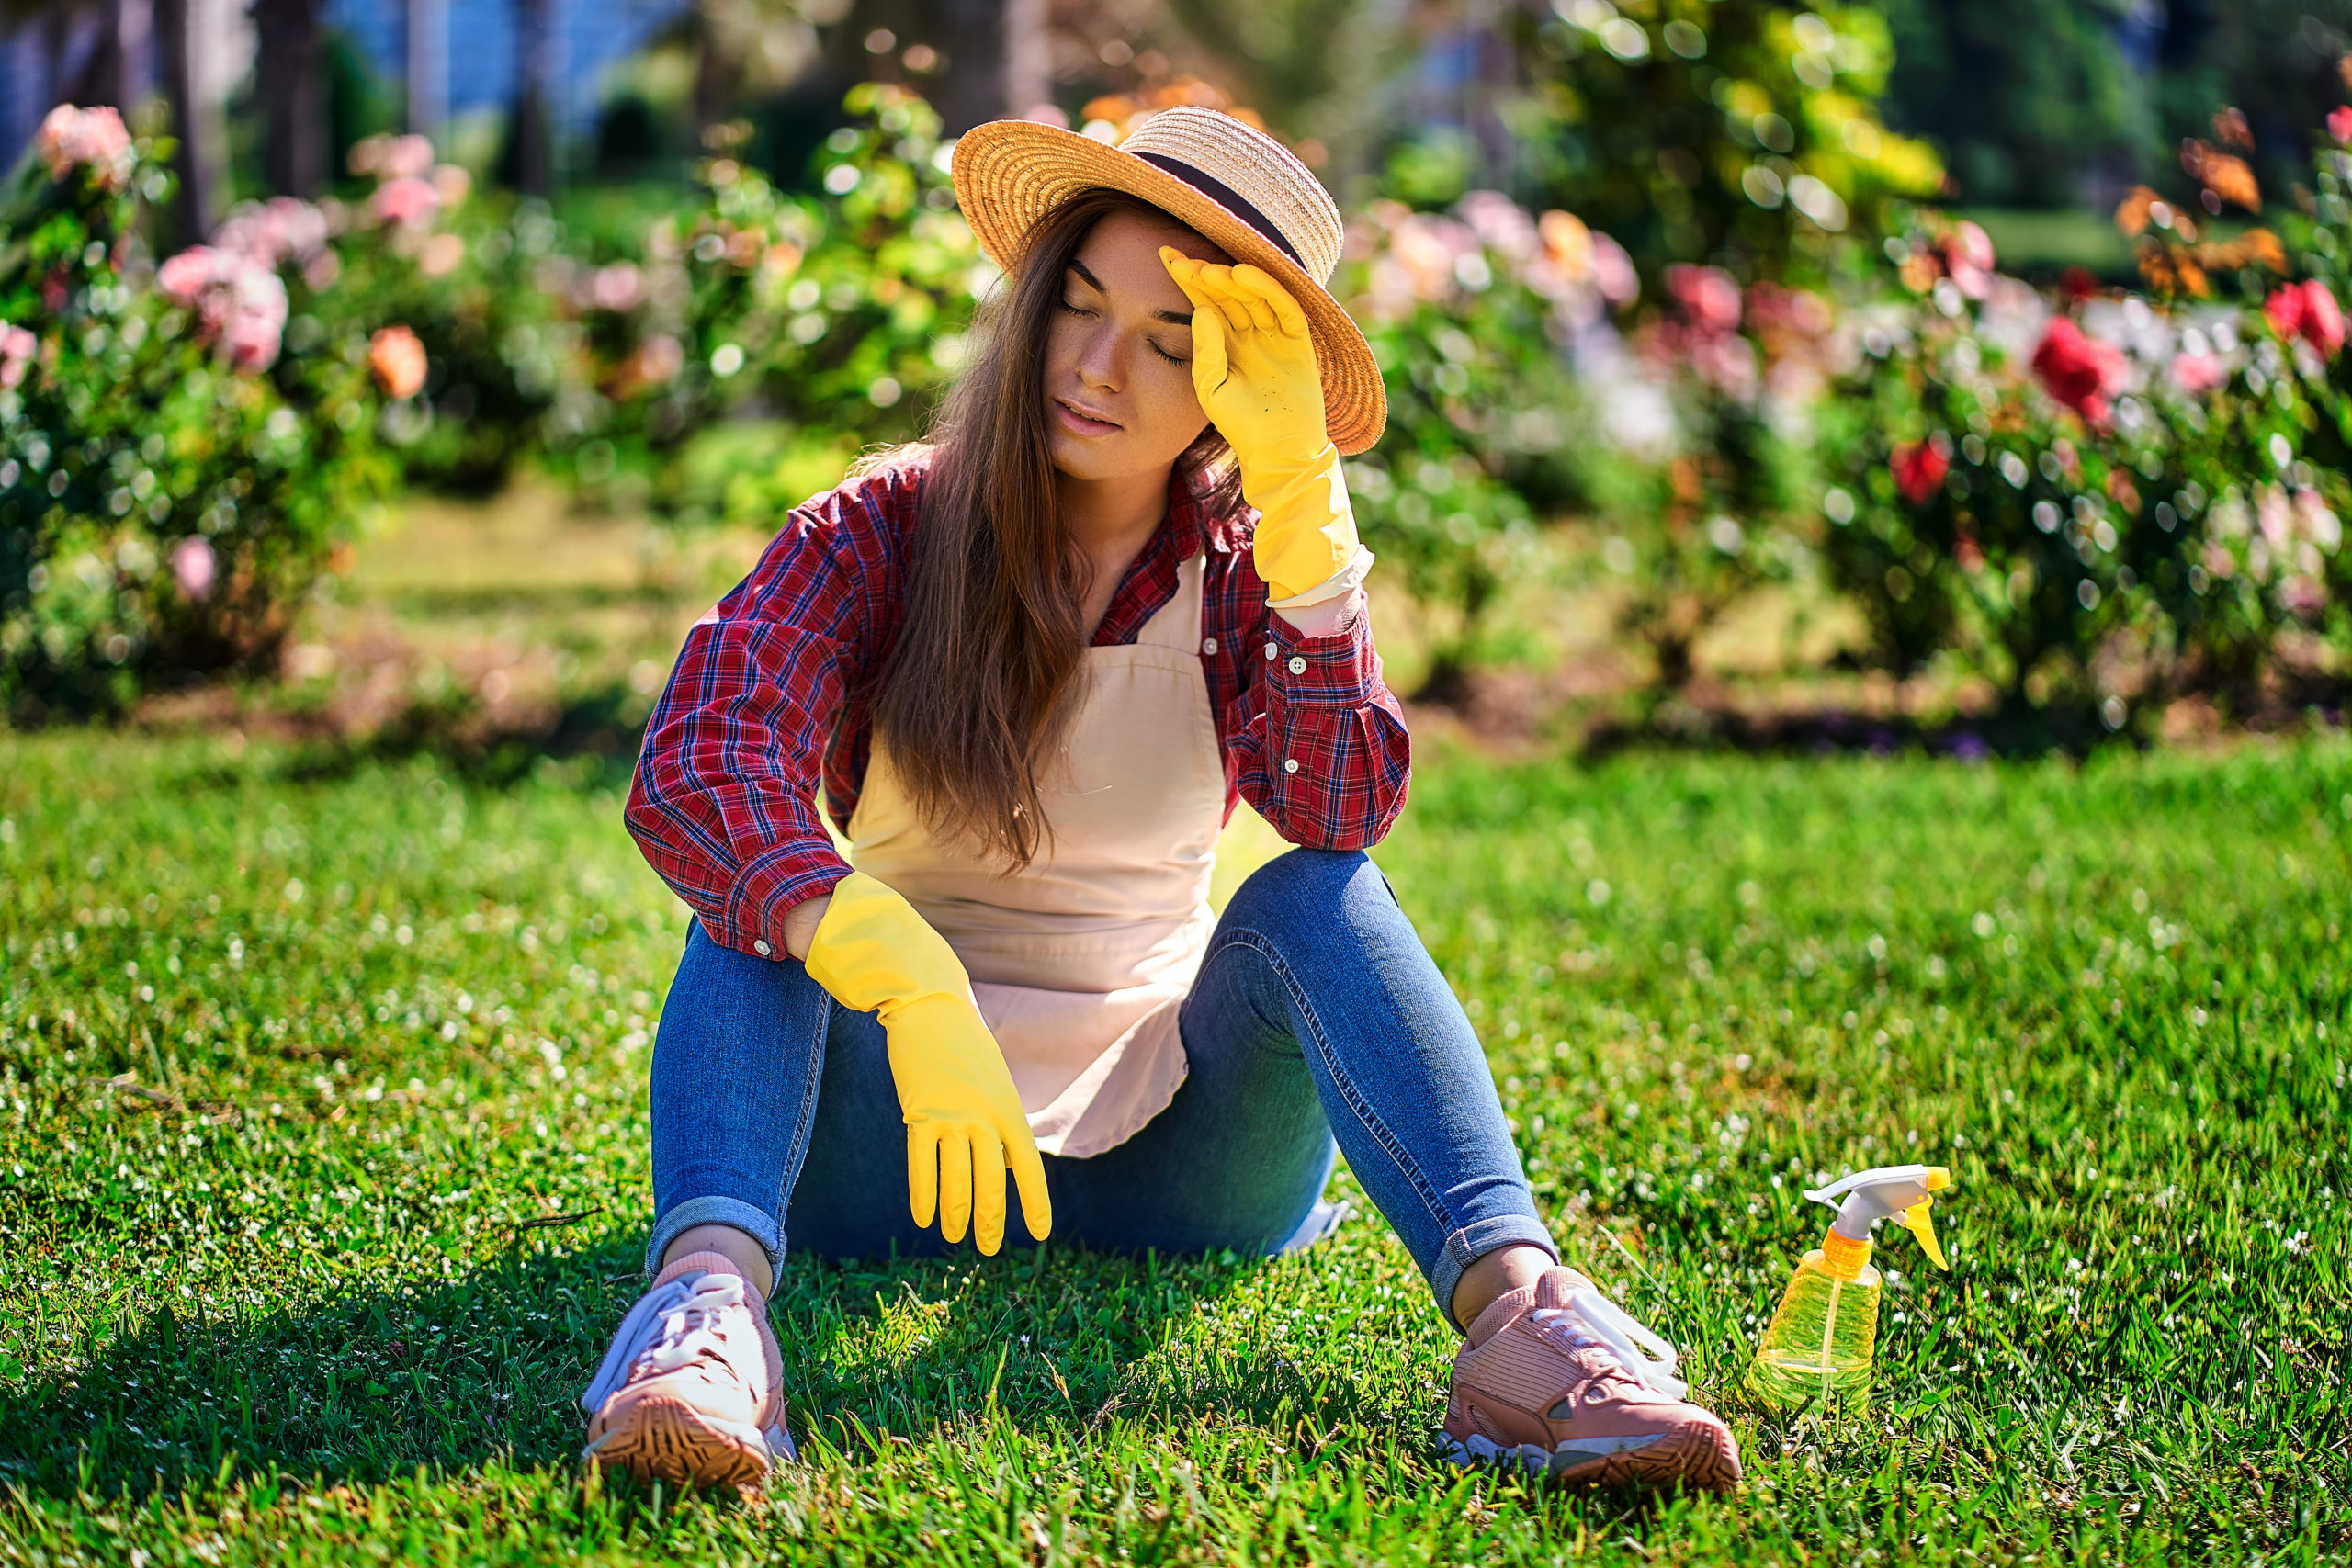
x=323, y=1174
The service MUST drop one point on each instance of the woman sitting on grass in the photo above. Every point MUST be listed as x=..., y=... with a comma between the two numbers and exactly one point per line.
x=1035, y=661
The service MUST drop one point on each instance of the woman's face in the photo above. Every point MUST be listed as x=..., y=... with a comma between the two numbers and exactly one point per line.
x=1118, y=356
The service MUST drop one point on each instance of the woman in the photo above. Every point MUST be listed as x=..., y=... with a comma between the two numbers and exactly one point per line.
x=1034, y=662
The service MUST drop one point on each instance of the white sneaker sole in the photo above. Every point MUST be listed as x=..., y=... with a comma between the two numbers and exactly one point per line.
x=1698, y=1454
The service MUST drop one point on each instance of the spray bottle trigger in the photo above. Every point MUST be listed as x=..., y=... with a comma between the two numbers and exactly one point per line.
x=1915, y=1219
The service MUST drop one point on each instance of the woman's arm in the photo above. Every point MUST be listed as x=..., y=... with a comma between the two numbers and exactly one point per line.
x=723, y=805
x=1321, y=750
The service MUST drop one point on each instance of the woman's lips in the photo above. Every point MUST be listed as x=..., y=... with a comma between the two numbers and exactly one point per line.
x=1078, y=424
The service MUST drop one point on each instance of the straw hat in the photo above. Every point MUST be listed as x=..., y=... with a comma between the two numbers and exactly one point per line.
x=1239, y=187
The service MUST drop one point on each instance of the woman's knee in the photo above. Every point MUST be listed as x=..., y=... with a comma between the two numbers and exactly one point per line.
x=1313, y=891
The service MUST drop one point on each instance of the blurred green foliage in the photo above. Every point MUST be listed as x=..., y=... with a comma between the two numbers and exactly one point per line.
x=2048, y=103
x=834, y=317
x=1741, y=133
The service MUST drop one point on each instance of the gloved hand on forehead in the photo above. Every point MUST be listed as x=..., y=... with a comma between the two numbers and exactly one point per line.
x=1255, y=371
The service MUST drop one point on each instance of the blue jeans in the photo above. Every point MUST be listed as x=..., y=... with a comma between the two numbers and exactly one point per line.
x=1317, y=1012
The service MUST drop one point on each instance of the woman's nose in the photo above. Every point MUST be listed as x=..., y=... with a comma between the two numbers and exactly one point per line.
x=1098, y=360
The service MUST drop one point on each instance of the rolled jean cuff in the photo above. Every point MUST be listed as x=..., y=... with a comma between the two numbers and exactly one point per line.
x=1469, y=1244
x=761, y=1227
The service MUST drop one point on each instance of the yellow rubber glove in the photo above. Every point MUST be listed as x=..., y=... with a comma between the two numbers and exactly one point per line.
x=1253, y=366
x=964, y=1125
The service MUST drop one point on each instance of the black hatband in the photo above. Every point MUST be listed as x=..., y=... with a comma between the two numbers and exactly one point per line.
x=1225, y=196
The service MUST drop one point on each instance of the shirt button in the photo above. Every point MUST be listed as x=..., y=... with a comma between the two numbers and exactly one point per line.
x=1208, y=645
x=1290, y=764
x=1297, y=665
x=1270, y=650
x=761, y=948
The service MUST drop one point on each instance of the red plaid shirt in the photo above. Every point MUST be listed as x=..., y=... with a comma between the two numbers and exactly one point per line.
x=761, y=707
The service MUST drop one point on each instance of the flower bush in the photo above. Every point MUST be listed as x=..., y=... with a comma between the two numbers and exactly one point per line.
x=481, y=282
x=179, y=450
x=2094, y=506
x=1469, y=314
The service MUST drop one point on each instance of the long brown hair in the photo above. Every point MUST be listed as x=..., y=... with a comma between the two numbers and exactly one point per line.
x=976, y=698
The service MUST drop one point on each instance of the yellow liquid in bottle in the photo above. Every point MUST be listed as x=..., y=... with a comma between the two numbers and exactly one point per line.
x=1819, y=1348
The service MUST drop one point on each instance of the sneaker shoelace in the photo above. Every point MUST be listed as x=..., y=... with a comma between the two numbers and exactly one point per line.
x=669, y=1326
x=1591, y=1320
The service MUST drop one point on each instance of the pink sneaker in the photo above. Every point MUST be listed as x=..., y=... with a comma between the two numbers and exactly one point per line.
x=1556, y=1378
x=690, y=1392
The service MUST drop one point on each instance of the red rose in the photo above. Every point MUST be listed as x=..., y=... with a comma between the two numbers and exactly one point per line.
x=2339, y=124
x=1919, y=469
x=2307, y=310
x=1706, y=296
x=2080, y=372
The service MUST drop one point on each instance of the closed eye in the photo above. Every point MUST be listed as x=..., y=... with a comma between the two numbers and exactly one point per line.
x=1081, y=310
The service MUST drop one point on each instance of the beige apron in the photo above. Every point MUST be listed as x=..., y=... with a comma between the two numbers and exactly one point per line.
x=1080, y=963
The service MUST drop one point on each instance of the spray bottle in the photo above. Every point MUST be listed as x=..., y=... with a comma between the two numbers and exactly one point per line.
x=1819, y=1347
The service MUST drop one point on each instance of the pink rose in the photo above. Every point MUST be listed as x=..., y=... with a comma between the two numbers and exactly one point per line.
x=238, y=301
x=256, y=320
x=193, y=566
x=2079, y=371
x=616, y=287
x=16, y=348
x=2195, y=373
x=1612, y=272
x=407, y=158
x=189, y=274
x=2339, y=124
x=272, y=233
x=72, y=137
x=1968, y=256
x=409, y=201
x=1706, y=295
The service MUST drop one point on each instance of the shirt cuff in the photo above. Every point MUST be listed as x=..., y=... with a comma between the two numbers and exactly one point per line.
x=768, y=887
x=1348, y=576
x=1337, y=669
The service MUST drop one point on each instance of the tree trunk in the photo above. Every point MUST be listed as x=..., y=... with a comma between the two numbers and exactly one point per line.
x=714, y=72
x=1028, y=57
x=534, y=106
x=971, y=33
x=428, y=67
x=291, y=77
x=131, y=53
x=196, y=123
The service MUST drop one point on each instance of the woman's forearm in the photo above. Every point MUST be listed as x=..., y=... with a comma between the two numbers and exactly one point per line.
x=800, y=923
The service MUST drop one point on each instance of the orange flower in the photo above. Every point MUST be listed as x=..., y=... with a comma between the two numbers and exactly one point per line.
x=2227, y=177
x=2134, y=216
x=397, y=360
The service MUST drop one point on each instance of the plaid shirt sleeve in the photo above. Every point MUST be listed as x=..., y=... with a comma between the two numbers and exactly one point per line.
x=1316, y=741
x=723, y=805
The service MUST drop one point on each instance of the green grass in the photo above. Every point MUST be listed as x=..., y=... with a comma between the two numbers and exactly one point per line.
x=322, y=1178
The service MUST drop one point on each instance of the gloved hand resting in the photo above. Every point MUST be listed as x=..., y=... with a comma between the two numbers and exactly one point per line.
x=1254, y=368
x=964, y=1125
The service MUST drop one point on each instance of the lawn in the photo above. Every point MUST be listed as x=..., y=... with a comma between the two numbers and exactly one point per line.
x=322, y=1178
